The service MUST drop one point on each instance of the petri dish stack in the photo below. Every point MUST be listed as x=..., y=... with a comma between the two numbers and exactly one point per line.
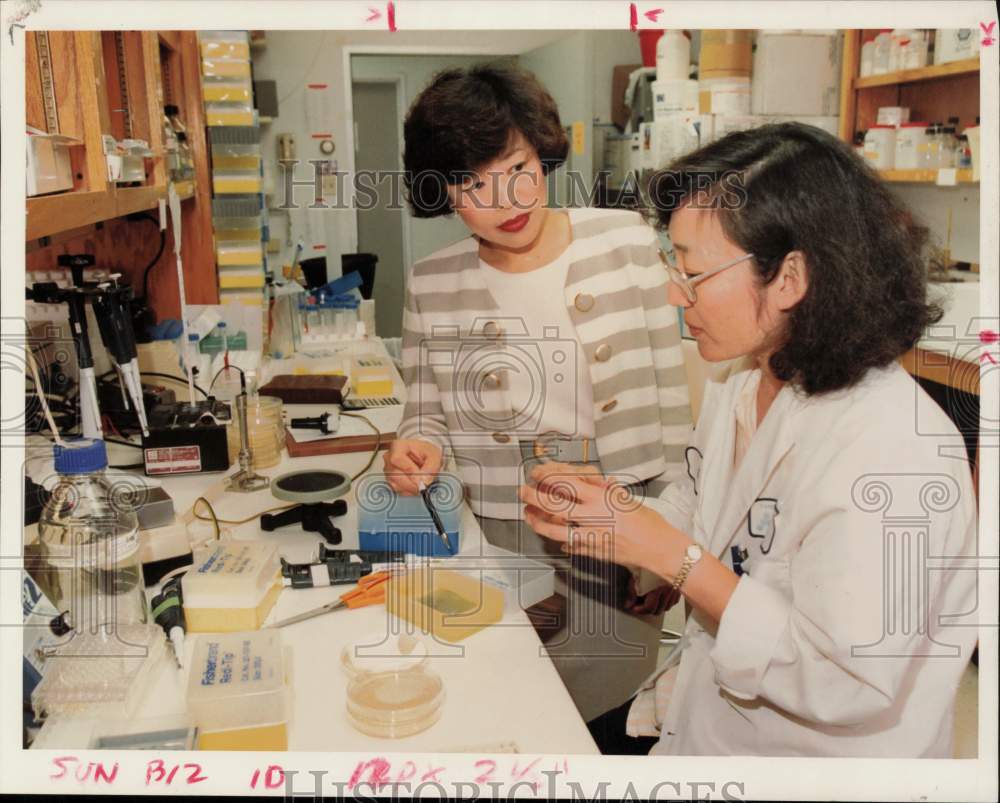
x=266, y=430
x=391, y=693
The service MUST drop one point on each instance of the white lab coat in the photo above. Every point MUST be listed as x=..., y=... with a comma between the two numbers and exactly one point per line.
x=853, y=526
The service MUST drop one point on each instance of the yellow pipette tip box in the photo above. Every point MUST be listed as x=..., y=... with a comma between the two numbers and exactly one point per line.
x=236, y=692
x=231, y=586
x=449, y=605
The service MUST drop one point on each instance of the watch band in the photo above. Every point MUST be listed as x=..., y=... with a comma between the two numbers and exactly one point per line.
x=685, y=570
x=692, y=555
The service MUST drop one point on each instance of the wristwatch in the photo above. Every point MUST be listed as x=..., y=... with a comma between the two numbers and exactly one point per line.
x=691, y=556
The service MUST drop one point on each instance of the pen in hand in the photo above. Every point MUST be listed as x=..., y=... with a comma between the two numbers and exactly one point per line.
x=425, y=494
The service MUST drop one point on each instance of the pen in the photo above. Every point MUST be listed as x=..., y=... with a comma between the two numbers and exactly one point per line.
x=425, y=494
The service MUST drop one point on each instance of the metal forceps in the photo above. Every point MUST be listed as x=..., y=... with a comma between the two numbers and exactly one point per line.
x=370, y=590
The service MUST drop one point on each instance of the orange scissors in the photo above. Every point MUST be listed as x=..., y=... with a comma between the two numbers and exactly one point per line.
x=370, y=590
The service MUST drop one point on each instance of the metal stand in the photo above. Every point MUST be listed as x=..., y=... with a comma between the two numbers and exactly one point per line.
x=246, y=480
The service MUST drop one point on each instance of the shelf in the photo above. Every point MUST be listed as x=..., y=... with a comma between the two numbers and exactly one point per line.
x=964, y=176
x=930, y=73
x=51, y=214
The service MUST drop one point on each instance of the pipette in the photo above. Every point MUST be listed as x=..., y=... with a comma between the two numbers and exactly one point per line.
x=110, y=304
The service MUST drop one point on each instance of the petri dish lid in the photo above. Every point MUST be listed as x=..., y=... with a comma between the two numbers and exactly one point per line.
x=394, y=704
x=378, y=652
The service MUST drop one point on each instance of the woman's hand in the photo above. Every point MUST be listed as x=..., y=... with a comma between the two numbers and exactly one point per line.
x=409, y=462
x=601, y=519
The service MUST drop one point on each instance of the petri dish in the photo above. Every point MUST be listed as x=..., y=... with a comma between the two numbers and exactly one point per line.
x=380, y=653
x=391, y=705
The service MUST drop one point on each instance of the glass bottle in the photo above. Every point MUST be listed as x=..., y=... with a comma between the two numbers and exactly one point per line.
x=89, y=538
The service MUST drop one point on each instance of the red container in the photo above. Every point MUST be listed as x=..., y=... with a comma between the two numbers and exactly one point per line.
x=647, y=45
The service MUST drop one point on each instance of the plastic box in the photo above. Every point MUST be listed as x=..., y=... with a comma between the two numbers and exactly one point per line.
x=231, y=586
x=523, y=581
x=236, y=692
x=96, y=674
x=388, y=522
x=371, y=376
x=449, y=605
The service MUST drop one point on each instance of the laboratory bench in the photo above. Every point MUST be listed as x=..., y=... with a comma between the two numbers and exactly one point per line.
x=501, y=688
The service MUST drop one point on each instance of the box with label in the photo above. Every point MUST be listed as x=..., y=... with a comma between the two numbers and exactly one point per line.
x=236, y=693
x=232, y=585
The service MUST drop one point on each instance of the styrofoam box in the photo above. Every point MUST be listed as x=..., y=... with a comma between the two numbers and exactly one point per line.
x=955, y=44
x=796, y=75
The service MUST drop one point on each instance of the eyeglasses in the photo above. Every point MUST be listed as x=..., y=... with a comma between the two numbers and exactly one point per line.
x=687, y=283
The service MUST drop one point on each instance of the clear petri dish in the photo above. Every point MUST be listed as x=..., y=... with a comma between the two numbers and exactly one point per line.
x=391, y=705
x=378, y=652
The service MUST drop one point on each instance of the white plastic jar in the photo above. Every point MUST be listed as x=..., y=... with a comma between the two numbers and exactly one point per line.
x=883, y=44
x=867, y=58
x=880, y=146
x=910, y=137
x=673, y=56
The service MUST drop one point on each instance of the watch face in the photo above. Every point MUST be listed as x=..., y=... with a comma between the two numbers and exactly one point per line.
x=694, y=552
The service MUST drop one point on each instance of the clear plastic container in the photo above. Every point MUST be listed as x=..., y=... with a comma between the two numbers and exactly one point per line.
x=928, y=151
x=867, y=58
x=880, y=146
x=949, y=143
x=100, y=673
x=236, y=693
x=231, y=586
x=89, y=538
x=391, y=705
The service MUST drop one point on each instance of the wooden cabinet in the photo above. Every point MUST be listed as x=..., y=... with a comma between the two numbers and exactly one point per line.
x=86, y=84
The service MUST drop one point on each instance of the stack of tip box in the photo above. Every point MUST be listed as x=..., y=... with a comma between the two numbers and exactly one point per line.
x=239, y=214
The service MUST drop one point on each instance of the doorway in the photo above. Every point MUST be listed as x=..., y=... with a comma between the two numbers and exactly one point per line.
x=380, y=228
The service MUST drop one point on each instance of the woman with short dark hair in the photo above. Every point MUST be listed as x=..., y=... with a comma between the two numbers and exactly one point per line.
x=545, y=334
x=801, y=530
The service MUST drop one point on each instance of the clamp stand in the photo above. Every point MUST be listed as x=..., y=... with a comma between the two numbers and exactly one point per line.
x=313, y=490
x=246, y=480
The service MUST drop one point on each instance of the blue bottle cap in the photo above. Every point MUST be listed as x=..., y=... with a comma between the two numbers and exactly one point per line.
x=80, y=456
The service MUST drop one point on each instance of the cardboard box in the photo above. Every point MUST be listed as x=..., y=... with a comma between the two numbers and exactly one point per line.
x=724, y=96
x=49, y=166
x=620, y=112
x=797, y=75
x=725, y=53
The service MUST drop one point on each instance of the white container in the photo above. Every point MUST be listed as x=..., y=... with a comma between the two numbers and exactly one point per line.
x=666, y=140
x=880, y=146
x=867, y=58
x=49, y=168
x=671, y=96
x=910, y=136
x=893, y=115
x=929, y=149
x=883, y=44
x=797, y=75
x=955, y=44
x=724, y=96
x=914, y=51
x=899, y=39
x=673, y=56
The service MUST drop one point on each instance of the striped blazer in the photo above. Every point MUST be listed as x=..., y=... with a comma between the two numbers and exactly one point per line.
x=457, y=350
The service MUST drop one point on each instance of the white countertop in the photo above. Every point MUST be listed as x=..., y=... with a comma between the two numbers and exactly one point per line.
x=500, y=686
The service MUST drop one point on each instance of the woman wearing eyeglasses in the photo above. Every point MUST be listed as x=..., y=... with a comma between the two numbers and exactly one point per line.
x=818, y=534
x=543, y=335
